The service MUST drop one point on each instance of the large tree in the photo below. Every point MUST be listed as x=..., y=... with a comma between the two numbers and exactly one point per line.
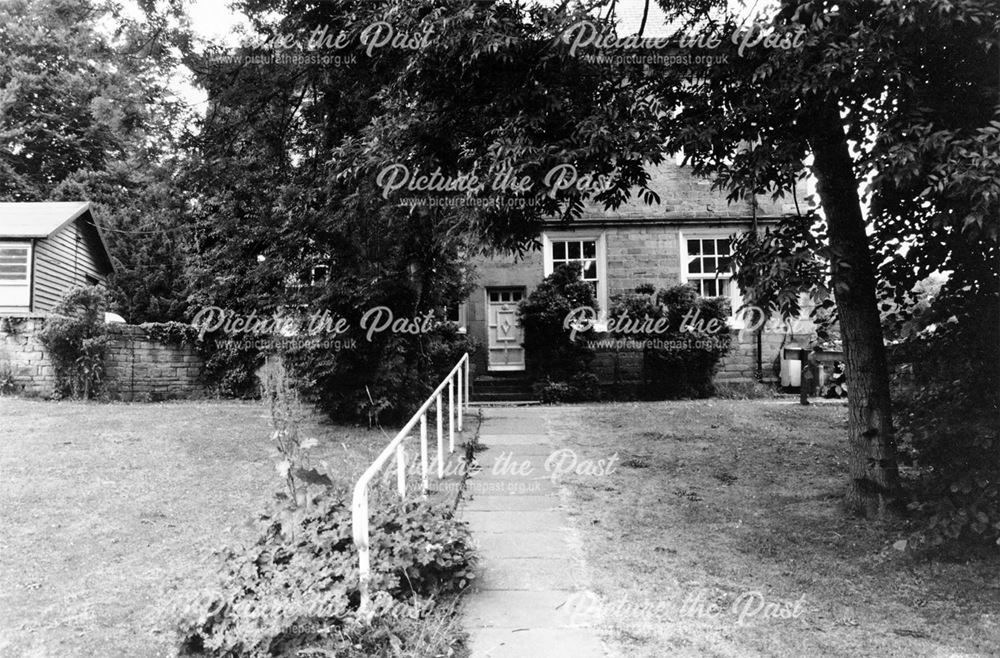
x=892, y=94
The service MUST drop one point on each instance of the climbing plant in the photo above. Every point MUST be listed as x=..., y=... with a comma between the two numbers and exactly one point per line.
x=75, y=337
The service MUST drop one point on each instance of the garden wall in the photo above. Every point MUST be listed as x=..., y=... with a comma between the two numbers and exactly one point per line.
x=625, y=365
x=137, y=367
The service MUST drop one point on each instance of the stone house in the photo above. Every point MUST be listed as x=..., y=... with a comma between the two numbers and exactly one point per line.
x=683, y=239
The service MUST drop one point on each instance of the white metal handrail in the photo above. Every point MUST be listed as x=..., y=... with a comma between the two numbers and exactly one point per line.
x=457, y=383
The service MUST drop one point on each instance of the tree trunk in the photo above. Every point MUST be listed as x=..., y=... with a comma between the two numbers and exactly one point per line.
x=872, y=463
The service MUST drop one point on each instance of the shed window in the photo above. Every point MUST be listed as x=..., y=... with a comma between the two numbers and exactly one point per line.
x=15, y=276
x=14, y=265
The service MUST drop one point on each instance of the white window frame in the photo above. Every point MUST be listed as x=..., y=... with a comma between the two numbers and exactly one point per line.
x=28, y=282
x=601, y=256
x=735, y=295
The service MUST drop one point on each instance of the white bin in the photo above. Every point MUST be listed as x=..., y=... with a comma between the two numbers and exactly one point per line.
x=791, y=367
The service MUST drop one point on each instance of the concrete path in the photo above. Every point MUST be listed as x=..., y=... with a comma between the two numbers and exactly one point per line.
x=532, y=569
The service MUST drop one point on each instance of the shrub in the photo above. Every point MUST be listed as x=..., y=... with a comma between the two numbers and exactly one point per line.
x=381, y=380
x=297, y=586
x=581, y=387
x=8, y=383
x=686, y=368
x=949, y=421
x=75, y=337
x=550, y=352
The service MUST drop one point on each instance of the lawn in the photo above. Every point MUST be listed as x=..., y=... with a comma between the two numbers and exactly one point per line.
x=720, y=534
x=111, y=513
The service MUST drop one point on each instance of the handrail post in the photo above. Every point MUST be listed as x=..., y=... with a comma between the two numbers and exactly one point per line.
x=451, y=415
x=467, y=387
x=360, y=522
x=459, y=411
x=423, y=453
x=401, y=470
x=440, y=435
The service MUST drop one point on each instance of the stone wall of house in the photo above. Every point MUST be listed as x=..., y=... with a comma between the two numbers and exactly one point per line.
x=642, y=254
x=137, y=367
x=625, y=364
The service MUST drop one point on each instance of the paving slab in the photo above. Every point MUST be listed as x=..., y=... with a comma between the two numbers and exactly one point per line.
x=525, y=545
x=533, y=574
x=509, y=487
x=536, y=643
x=530, y=561
x=519, y=438
x=527, y=449
x=510, y=502
x=515, y=523
x=519, y=609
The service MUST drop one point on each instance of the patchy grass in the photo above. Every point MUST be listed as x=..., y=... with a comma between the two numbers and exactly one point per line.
x=111, y=514
x=721, y=508
x=746, y=390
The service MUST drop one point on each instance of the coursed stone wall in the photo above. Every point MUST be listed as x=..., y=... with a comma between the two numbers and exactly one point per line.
x=137, y=367
x=739, y=365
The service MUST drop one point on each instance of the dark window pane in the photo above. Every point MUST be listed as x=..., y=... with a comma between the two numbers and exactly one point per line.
x=590, y=249
x=709, y=246
x=574, y=249
x=558, y=250
x=694, y=247
x=724, y=247
x=590, y=270
x=710, y=288
x=694, y=267
x=709, y=266
x=725, y=263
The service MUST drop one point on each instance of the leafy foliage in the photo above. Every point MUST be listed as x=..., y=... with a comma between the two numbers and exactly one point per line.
x=688, y=366
x=836, y=382
x=75, y=338
x=77, y=96
x=774, y=270
x=297, y=586
x=550, y=352
x=285, y=411
x=581, y=387
x=381, y=380
x=949, y=420
x=8, y=382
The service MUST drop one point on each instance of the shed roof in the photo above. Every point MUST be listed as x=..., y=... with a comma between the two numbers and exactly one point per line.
x=38, y=220
x=43, y=218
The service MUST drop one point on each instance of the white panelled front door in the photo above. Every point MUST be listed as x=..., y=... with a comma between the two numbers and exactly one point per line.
x=505, y=335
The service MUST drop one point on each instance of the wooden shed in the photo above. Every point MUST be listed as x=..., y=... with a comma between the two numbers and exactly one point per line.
x=46, y=249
